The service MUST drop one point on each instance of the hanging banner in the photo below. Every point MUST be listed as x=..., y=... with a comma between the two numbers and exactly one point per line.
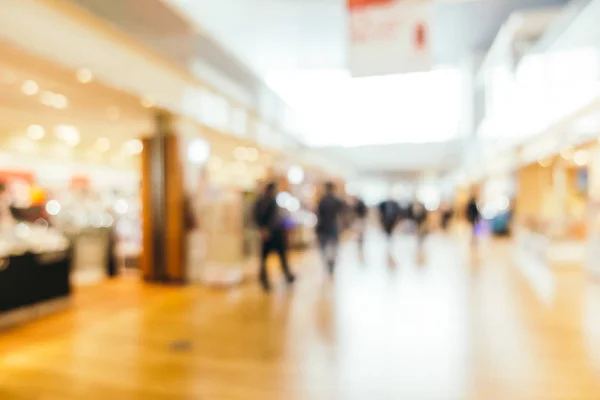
x=389, y=36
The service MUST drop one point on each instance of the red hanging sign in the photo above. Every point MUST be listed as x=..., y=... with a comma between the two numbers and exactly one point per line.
x=356, y=4
x=420, y=36
x=389, y=36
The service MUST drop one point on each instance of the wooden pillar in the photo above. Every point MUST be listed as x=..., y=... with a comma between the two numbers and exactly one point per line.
x=148, y=222
x=174, y=210
x=163, y=204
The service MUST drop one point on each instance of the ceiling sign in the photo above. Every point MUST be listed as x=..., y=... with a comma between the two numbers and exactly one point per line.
x=389, y=36
x=358, y=4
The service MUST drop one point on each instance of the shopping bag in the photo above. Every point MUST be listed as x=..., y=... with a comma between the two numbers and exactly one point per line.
x=482, y=228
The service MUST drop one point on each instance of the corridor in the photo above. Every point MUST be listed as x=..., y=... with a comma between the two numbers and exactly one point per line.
x=456, y=327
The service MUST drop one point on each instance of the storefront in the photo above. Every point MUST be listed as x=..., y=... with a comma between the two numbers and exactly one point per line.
x=70, y=179
x=555, y=193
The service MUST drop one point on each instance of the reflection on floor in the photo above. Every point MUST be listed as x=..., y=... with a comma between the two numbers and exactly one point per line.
x=456, y=327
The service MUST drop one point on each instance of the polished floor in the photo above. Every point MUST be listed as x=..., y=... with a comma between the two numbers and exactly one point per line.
x=458, y=326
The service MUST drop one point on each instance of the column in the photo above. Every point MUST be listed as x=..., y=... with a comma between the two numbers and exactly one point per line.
x=163, y=204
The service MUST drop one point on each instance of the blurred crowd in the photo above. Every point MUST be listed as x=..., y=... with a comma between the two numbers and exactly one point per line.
x=337, y=215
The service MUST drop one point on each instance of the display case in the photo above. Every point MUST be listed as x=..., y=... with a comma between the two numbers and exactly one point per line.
x=104, y=226
x=35, y=265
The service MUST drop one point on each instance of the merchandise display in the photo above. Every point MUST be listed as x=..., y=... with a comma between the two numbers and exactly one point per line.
x=104, y=224
x=99, y=226
x=35, y=263
x=30, y=279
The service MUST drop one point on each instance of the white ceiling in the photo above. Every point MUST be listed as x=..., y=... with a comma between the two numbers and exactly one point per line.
x=272, y=36
x=405, y=160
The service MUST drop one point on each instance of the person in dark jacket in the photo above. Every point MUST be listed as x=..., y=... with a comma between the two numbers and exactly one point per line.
x=267, y=216
x=360, y=214
x=419, y=214
x=389, y=212
x=473, y=217
x=328, y=213
x=447, y=215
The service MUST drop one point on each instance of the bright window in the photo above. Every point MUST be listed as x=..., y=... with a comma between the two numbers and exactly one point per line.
x=337, y=110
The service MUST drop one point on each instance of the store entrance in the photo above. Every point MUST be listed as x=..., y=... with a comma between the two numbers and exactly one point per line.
x=70, y=209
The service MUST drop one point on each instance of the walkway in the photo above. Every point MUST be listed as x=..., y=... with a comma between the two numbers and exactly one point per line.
x=445, y=330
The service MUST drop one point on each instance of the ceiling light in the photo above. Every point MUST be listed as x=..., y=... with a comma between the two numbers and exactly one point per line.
x=59, y=101
x=102, y=145
x=134, y=147
x=55, y=100
x=36, y=132
x=198, y=151
x=30, y=88
x=84, y=75
x=68, y=134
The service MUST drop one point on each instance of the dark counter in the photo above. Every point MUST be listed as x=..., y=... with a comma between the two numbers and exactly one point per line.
x=31, y=279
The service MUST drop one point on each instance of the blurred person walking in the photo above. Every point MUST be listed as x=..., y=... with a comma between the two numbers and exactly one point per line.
x=268, y=218
x=329, y=211
x=447, y=215
x=419, y=215
x=360, y=213
x=389, y=213
x=473, y=217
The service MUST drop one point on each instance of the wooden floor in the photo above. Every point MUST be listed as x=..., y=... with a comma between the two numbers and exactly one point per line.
x=453, y=328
